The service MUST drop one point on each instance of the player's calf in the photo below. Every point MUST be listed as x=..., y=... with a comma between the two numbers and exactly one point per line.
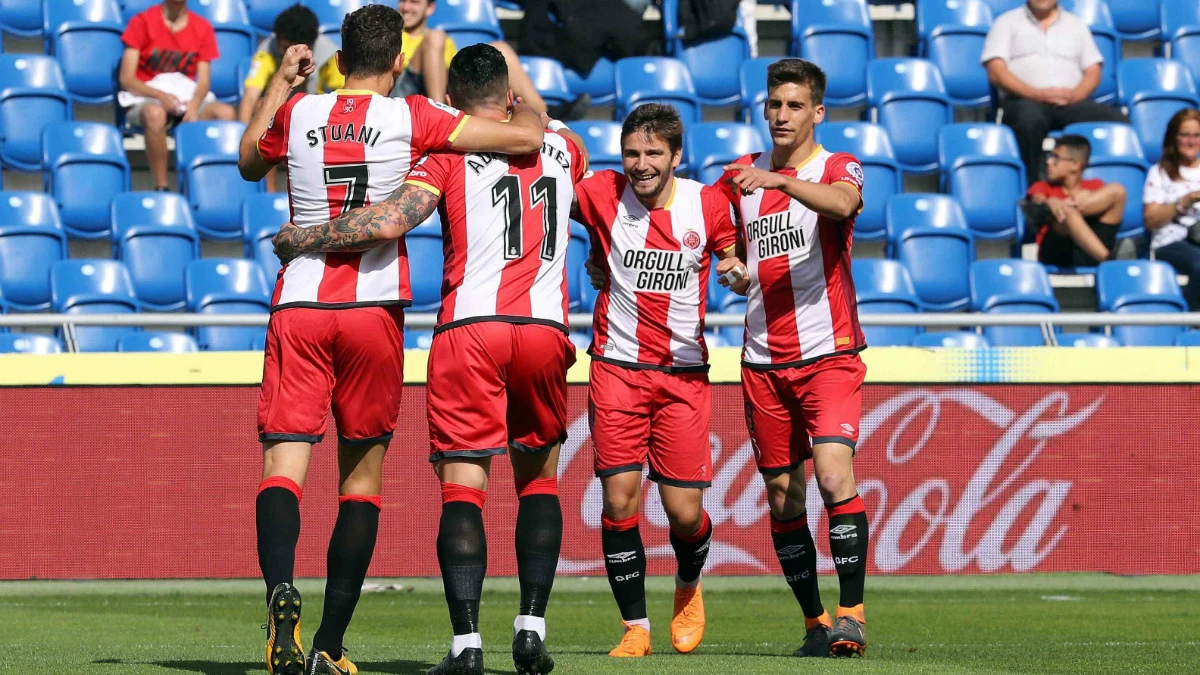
x=538, y=542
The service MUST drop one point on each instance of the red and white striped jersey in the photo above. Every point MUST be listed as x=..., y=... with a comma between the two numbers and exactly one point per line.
x=345, y=150
x=505, y=227
x=801, y=304
x=650, y=314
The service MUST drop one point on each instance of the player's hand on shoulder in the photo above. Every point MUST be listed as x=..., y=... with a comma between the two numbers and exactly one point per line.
x=749, y=179
x=732, y=274
x=297, y=65
x=596, y=274
x=284, y=242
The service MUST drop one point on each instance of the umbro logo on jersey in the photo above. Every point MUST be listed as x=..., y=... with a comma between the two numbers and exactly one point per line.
x=632, y=221
x=622, y=557
x=348, y=106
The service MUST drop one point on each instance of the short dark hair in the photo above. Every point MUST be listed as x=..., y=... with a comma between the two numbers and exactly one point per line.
x=371, y=40
x=1077, y=145
x=655, y=120
x=478, y=74
x=798, y=71
x=297, y=24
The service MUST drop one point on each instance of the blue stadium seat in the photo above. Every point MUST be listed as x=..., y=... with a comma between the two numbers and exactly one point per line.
x=1096, y=15
x=548, y=78
x=837, y=35
x=1134, y=19
x=1117, y=158
x=1141, y=286
x=236, y=40
x=259, y=343
x=1001, y=6
x=226, y=286
x=982, y=168
x=734, y=336
x=425, y=260
x=174, y=343
x=587, y=294
x=262, y=214
x=582, y=339
x=93, y=287
x=22, y=18
x=262, y=13
x=32, y=95
x=928, y=233
x=709, y=146
x=656, y=79
x=29, y=343
x=31, y=241
x=600, y=83
x=717, y=296
x=951, y=339
x=578, y=247
x=329, y=12
x=885, y=287
x=85, y=37
x=882, y=176
x=603, y=141
x=753, y=92
x=714, y=62
x=154, y=235
x=1012, y=287
x=1153, y=90
x=1180, y=23
x=1087, y=340
x=1188, y=338
x=85, y=167
x=418, y=339
x=908, y=99
x=950, y=33
x=131, y=7
x=468, y=22
x=206, y=157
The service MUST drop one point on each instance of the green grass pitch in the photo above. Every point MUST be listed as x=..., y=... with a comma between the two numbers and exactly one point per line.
x=1004, y=624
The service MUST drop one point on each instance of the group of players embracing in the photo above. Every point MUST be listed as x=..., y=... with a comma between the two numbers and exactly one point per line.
x=364, y=169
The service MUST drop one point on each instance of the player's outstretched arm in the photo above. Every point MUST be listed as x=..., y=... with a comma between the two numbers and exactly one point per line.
x=360, y=229
x=838, y=201
x=295, y=67
x=521, y=135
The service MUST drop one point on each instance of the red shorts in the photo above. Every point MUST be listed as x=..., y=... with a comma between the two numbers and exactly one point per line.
x=639, y=414
x=350, y=358
x=786, y=408
x=494, y=385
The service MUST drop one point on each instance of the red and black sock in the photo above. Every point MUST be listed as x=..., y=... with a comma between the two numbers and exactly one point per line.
x=462, y=554
x=691, y=551
x=277, y=519
x=350, y=550
x=797, y=555
x=625, y=562
x=538, y=541
x=848, y=544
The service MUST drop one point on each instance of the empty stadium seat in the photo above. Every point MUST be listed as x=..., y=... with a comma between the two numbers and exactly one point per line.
x=951, y=339
x=950, y=33
x=603, y=141
x=22, y=18
x=154, y=235
x=716, y=295
x=1012, y=287
x=93, y=287
x=29, y=343
x=175, y=343
x=908, y=99
x=1001, y=6
x=578, y=247
x=709, y=146
x=1180, y=24
x=735, y=335
x=837, y=35
x=587, y=294
x=85, y=37
x=262, y=214
x=425, y=258
x=418, y=339
x=31, y=241
x=713, y=62
x=600, y=82
x=259, y=343
x=32, y=96
x=882, y=176
x=85, y=167
x=226, y=286
x=330, y=12
x=1188, y=338
x=885, y=287
x=206, y=157
x=468, y=22
x=1140, y=286
x=131, y=7
x=1134, y=19
x=656, y=79
x=1117, y=158
x=1153, y=90
x=753, y=93
x=928, y=233
x=1087, y=340
x=262, y=13
x=1096, y=15
x=548, y=78
x=981, y=166
x=236, y=40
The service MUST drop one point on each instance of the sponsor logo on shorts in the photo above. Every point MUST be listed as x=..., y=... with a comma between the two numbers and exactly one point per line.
x=848, y=428
x=622, y=557
x=691, y=240
x=790, y=552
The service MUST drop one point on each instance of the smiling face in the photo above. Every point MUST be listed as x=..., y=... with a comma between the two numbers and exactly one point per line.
x=791, y=114
x=1188, y=141
x=649, y=164
x=414, y=12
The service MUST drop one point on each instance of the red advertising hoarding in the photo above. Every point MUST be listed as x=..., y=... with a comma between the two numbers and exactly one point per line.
x=159, y=482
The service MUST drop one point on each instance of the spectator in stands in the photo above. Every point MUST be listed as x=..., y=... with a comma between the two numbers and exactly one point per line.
x=427, y=55
x=1046, y=65
x=1077, y=218
x=1170, y=200
x=165, y=75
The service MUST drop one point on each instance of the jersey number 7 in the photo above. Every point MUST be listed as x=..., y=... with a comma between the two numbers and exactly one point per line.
x=506, y=195
x=354, y=177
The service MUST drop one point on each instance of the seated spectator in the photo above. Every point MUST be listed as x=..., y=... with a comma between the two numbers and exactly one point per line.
x=1045, y=64
x=1077, y=218
x=1170, y=201
x=427, y=55
x=165, y=77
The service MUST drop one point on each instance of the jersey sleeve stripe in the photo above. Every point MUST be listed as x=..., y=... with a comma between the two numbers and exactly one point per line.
x=424, y=186
x=458, y=129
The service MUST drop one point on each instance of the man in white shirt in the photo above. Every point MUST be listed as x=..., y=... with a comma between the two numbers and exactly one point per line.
x=1046, y=65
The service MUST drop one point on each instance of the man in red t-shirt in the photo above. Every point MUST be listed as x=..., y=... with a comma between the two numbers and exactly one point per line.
x=165, y=75
x=1076, y=218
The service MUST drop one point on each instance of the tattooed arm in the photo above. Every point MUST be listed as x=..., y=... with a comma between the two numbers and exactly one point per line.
x=360, y=229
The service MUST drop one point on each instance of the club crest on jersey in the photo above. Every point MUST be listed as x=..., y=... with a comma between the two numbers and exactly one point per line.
x=775, y=235
x=691, y=240
x=348, y=106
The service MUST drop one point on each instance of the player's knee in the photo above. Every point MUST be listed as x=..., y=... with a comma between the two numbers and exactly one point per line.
x=219, y=111
x=685, y=521
x=834, y=484
x=619, y=504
